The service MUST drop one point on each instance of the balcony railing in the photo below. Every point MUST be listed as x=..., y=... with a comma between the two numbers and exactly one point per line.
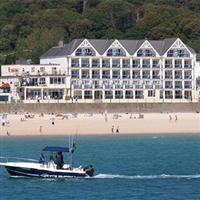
x=168, y=76
x=146, y=65
x=75, y=64
x=178, y=77
x=168, y=86
x=136, y=76
x=178, y=65
x=156, y=77
x=187, y=66
x=116, y=65
x=136, y=65
x=85, y=65
x=126, y=65
x=156, y=66
x=168, y=65
x=188, y=77
x=95, y=65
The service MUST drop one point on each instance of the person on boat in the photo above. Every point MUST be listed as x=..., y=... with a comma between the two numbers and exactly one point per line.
x=42, y=158
x=59, y=160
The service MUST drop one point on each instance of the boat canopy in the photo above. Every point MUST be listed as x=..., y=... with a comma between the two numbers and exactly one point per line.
x=56, y=149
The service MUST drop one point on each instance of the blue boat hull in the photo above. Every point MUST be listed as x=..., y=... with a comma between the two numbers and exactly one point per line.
x=30, y=172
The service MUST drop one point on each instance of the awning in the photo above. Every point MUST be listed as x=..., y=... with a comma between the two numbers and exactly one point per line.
x=56, y=149
x=5, y=86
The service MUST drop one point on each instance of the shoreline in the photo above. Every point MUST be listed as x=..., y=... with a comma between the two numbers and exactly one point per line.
x=101, y=124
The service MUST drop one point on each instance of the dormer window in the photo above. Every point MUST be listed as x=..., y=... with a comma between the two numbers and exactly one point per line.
x=116, y=52
x=146, y=53
x=178, y=53
x=85, y=52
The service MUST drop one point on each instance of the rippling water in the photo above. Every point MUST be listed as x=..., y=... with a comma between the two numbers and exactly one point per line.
x=126, y=167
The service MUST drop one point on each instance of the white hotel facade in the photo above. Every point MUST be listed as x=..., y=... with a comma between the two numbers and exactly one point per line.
x=92, y=70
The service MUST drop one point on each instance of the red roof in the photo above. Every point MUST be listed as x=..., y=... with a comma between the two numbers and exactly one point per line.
x=5, y=86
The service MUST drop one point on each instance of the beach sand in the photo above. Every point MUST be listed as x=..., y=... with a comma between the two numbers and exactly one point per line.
x=106, y=123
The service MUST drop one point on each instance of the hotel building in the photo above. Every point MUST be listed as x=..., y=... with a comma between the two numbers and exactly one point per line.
x=96, y=70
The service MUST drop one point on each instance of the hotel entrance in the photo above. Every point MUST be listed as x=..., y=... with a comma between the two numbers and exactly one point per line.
x=98, y=95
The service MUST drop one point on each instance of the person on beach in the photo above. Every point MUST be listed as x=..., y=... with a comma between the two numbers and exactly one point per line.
x=176, y=118
x=112, y=129
x=40, y=129
x=170, y=118
x=117, y=129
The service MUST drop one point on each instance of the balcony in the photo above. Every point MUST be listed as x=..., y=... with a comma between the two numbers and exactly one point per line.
x=126, y=76
x=136, y=65
x=178, y=86
x=126, y=65
x=178, y=65
x=146, y=76
x=85, y=65
x=75, y=75
x=188, y=77
x=168, y=86
x=116, y=65
x=156, y=77
x=178, y=77
x=96, y=65
x=188, y=86
x=76, y=64
x=138, y=86
x=128, y=86
x=168, y=65
x=156, y=65
x=188, y=66
x=136, y=76
x=148, y=86
x=168, y=77
x=146, y=65
x=106, y=76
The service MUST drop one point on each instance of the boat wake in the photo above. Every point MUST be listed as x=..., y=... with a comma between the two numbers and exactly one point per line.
x=162, y=176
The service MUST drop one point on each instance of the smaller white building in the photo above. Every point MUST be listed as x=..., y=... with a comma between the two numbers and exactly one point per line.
x=36, y=83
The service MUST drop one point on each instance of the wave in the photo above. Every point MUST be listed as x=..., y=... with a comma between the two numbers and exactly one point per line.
x=161, y=176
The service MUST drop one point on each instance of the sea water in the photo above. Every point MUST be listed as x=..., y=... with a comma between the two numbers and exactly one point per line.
x=126, y=167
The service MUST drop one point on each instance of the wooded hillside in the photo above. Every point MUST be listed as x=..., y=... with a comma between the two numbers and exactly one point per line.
x=30, y=27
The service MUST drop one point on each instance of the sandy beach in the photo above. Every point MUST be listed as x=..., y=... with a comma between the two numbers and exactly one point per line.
x=106, y=123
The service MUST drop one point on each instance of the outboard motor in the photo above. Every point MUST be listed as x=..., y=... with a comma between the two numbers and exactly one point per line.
x=89, y=170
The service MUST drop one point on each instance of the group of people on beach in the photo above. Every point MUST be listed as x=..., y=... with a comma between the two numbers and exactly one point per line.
x=113, y=129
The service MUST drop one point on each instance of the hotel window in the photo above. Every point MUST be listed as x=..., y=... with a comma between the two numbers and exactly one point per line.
x=106, y=74
x=178, y=74
x=156, y=64
x=156, y=74
x=42, y=69
x=118, y=94
x=168, y=94
x=32, y=69
x=106, y=63
x=108, y=94
x=146, y=64
x=139, y=94
x=85, y=63
x=57, y=80
x=178, y=84
x=136, y=64
x=129, y=94
x=126, y=63
x=78, y=94
x=188, y=95
x=85, y=52
x=168, y=64
x=188, y=84
x=146, y=74
x=146, y=53
x=187, y=64
x=178, y=94
x=75, y=73
x=116, y=74
x=88, y=94
x=126, y=74
x=178, y=63
x=96, y=63
x=151, y=93
x=116, y=63
x=168, y=74
x=75, y=62
x=116, y=52
x=187, y=74
x=42, y=81
x=168, y=84
x=136, y=74
x=85, y=74
x=95, y=74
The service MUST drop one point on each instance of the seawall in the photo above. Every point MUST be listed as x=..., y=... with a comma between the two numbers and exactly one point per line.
x=100, y=107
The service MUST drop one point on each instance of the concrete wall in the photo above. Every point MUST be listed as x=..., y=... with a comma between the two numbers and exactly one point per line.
x=97, y=108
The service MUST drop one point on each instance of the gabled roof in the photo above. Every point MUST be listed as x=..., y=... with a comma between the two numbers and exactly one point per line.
x=101, y=45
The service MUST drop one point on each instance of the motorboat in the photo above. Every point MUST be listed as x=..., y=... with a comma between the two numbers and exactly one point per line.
x=48, y=169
